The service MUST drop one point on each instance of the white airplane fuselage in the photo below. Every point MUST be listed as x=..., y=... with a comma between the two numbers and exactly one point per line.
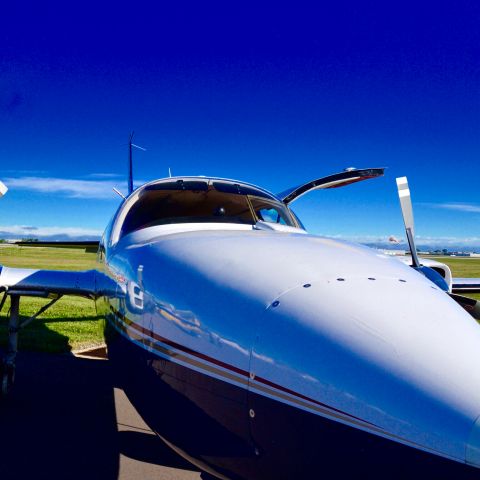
x=261, y=351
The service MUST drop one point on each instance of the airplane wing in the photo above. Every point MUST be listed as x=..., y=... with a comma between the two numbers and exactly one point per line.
x=466, y=285
x=44, y=283
x=350, y=175
x=20, y=282
x=52, y=284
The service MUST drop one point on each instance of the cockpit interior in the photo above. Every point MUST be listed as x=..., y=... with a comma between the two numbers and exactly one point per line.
x=203, y=201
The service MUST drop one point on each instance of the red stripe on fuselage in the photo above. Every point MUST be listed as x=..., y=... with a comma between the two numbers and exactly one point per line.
x=227, y=366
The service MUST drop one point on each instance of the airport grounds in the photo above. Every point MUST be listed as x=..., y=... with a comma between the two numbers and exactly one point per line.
x=72, y=323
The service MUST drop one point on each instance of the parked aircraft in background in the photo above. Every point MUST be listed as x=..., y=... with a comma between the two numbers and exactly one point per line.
x=258, y=351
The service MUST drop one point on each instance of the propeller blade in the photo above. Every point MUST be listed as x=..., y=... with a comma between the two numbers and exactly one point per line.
x=405, y=202
x=407, y=213
x=3, y=189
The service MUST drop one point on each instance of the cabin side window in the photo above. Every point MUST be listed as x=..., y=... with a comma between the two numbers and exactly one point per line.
x=269, y=211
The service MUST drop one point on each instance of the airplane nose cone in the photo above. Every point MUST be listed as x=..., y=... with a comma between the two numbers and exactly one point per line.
x=397, y=353
x=339, y=328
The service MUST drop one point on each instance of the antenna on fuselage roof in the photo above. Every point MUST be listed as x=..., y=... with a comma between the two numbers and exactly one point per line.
x=169, y=172
x=119, y=193
x=130, y=162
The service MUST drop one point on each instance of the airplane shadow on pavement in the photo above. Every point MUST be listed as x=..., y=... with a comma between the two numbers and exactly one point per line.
x=60, y=422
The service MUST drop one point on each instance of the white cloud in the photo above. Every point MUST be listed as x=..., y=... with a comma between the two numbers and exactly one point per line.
x=67, y=187
x=458, y=206
x=104, y=175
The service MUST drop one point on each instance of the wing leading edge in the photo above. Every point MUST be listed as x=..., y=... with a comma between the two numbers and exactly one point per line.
x=31, y=282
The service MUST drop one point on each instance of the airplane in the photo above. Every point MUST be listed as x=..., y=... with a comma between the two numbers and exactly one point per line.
x=259, y=351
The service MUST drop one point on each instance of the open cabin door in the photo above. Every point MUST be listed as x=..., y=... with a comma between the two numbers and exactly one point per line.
x=336, y=180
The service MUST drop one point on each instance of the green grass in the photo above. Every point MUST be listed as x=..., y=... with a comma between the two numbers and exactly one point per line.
x=72, y=323
x=47, y=258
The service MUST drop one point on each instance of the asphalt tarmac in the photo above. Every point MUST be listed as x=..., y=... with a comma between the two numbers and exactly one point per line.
x=65, y=419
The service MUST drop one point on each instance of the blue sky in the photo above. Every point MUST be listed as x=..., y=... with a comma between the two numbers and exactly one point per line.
x=274, y=94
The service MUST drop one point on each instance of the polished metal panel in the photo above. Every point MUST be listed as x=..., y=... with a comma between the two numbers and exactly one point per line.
x=365, y=333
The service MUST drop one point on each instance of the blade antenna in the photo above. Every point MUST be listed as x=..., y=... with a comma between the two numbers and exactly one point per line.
x=407, y=213
x=130, y=165
x=119, y=193
x=130, y=161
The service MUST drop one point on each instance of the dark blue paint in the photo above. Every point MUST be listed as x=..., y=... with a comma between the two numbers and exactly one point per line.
x=208, y=420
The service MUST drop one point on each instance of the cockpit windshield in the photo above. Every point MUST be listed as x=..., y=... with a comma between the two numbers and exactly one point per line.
x=185, y=201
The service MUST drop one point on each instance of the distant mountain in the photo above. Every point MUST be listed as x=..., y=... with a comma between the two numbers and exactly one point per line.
x=424, y=247
x=50, y=238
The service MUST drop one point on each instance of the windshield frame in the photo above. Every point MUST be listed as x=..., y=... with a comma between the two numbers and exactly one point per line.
x=221, y=185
